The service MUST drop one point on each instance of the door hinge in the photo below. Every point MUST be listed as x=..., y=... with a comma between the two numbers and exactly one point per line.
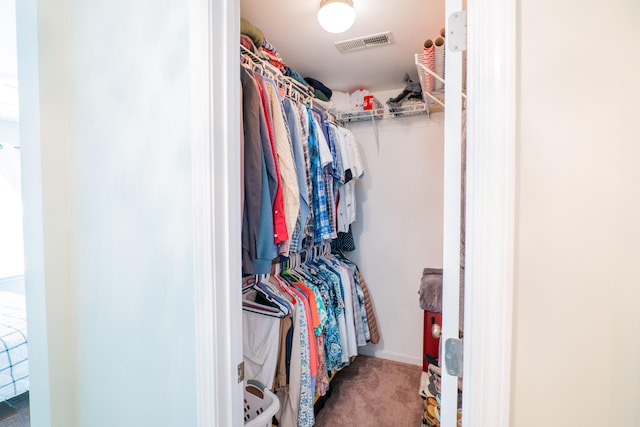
x=453, y=357
x=240, y=372
x=457, y=31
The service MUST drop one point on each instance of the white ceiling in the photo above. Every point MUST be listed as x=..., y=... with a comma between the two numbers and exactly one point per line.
x=291, y=26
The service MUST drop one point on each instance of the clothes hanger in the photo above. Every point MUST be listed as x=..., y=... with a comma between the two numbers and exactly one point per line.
x=283, y=287
x=261, y=309
x=294, y=273
x=246, y=61
x=270, y=296
x=283, y=295
x=249, y=302
x=300, y=272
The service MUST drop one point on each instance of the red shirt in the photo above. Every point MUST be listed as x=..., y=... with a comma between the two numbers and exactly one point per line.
x=280, y=233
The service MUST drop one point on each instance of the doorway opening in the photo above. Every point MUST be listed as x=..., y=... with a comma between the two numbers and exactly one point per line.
x=14, y=364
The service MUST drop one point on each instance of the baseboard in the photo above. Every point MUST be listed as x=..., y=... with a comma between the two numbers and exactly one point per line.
x=390, y=356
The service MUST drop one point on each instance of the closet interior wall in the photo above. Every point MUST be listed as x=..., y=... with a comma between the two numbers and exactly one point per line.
x=399, y=222
x=398, y=231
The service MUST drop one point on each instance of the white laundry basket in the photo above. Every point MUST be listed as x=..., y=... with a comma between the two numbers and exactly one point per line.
x=260, y=405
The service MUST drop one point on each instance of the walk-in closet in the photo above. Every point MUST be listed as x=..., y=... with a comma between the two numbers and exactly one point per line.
x=130, y=159
x=344, y=196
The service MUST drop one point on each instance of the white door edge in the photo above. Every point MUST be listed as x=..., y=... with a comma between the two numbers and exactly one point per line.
x=451, y=227
x=491, y=178
x=215, y=127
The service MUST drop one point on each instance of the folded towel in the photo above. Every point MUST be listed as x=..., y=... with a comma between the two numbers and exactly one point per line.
x=320, y=95
x=431, y=290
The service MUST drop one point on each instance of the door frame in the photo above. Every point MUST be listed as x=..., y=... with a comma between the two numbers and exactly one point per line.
x=490, y=232
x=491, y=211
x=215, y=145
x=491, y=183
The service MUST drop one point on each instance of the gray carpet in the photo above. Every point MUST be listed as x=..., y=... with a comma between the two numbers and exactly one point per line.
x=374, y=392
x=15, y=412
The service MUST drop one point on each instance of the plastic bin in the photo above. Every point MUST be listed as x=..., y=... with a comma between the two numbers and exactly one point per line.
x=260, y=405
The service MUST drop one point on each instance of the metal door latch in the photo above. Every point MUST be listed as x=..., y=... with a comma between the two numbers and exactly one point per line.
x=240, y=372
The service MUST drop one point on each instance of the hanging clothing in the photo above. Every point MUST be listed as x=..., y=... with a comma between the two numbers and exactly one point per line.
x=252, y=169
x=260, y=338
x=292, y=115
x=289, y=179
x=303, y=163
x=322, y=227
x=321, y=297
x=304, y=316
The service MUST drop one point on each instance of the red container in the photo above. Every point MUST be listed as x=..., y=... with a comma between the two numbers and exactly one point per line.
x=430, y=345
x=368, y=102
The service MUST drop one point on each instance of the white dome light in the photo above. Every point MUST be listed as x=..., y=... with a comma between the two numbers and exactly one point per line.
x=336, y=16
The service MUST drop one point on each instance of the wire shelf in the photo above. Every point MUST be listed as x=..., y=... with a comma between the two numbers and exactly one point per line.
x=431, y=98
x=406, y=110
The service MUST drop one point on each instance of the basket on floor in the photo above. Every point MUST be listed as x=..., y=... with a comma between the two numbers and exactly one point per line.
x=260, y=405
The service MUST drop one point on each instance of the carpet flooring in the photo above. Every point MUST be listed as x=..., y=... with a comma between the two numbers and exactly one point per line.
x=374, y=392
x=15, y=412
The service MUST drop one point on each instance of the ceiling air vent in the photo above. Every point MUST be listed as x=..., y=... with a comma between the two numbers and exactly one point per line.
x=365, y=42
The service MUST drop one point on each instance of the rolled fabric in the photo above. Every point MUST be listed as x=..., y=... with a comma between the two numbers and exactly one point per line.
x=429, y=62
x=371, y=315
x=442, y=32
x=439, y=59
x=316, y=84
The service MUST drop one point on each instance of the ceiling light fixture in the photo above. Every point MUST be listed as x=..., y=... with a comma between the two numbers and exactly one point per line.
x=336, y=16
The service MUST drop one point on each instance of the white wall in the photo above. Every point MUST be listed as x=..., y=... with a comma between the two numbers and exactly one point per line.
x=11, y=245
x=577, y=293
x=398, y=229
x=8, y=62
x=107, y=162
